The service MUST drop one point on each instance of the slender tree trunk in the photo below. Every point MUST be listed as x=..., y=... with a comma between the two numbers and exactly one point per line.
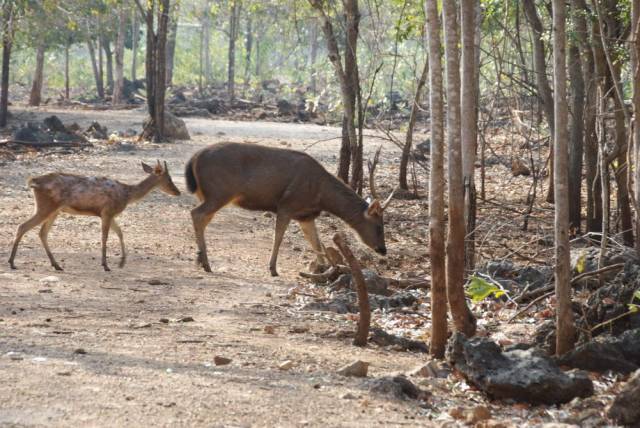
x=35, y=98
x=352, y=18
x=313, y=55
x=160, y=77
x=542, y=83
x=258, y=61
x=96, y=71
x=436, y=185
x=576, y=136
x=135, y=24
x=101, y=65
x=7, y=43
x=234, y=16
x=635, y=73
x=248, y=46
x=463, y=318
x=469, y=127
x=206, y=42
x=66, y=70
x=565, y=330
x=171, y=41
x=118, y=90
x=408, y=142
x=108, y=54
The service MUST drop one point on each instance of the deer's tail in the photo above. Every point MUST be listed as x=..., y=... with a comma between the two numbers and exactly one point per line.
x=190, y=177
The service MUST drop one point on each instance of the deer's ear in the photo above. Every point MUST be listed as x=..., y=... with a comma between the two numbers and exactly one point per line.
x=374, y=209
x=146, y=168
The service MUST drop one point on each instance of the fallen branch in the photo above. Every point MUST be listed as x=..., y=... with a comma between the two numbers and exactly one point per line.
x=364, y=321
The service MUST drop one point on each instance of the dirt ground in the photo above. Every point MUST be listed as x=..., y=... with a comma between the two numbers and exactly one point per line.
x=84, y=347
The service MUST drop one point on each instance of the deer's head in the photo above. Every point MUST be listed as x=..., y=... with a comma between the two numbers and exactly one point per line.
x=164, y=179
x=371, y=230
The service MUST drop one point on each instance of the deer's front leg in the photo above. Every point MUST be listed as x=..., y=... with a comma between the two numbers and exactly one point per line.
x=282, y=222
x=106, y=224
x=118, y=231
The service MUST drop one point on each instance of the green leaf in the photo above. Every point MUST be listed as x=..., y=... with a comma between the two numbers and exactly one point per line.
x=636, y=295
x=580, y=263
x=634, y=308
x=478, y=289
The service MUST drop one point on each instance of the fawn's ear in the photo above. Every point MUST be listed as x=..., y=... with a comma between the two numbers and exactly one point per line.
x=157, y=170
x=146, y=168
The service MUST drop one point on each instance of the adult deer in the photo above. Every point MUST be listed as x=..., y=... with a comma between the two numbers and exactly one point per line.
x=95, y=196
x=289, y=183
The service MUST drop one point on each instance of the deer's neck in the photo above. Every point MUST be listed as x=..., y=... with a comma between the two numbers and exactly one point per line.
x=341, y=201
x=140, y=190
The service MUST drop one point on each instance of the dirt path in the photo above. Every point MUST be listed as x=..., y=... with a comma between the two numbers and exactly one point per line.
x=88, y=348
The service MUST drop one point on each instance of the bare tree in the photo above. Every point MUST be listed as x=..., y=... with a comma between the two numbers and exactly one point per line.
x=436, y=186
x=635, y=70
x=7, y=30
x=35, y=96
x=234, y=20
x=462, y=316
x=565, y=330
x=118, y=88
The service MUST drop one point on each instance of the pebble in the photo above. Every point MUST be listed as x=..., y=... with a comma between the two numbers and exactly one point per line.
x=221, y=361
x=356, y=369
x=286, y=365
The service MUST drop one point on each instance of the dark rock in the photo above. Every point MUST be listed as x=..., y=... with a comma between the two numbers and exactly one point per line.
x=624, y=409
x=129, y=88
x=54, y=124
x=338, y=306
x=514, y=277
x=619, y=354
x=382, y=338
x=271, y=85
x=609, y=303
x=285, y=107
x=32, y=134
x=525, y=376
x=97, y=131
x=174, y=127
x=395, y=387
x=374, y=282
x=343, y=303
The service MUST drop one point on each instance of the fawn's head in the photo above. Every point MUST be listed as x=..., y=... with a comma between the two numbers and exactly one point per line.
x=371, y=230
x=164, y=179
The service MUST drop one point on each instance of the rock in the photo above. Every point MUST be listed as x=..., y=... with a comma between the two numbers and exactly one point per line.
x=164, y=320
x=382, y=338
x=286, y=365
x=519, y=168
x=186, y=319
x=80, y=351
x=54, y=124
x=348, y=396
x=397, y=387
x=478, y=414
x=298, y=329
x=611, y=302
x=624, y=409
x=269, y=329
x=432, y=369
x=175, y=128
x=97, y=131
x=356, y=369
x=521, y=375
x=32, y=134
x=284, y=107
x=619, y=354
x=221, y=361
x=50, y=279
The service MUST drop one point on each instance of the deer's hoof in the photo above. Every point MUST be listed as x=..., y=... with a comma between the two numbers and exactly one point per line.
x=57, y=267
x=12, y=266
x=273, y=272
x=106, y=268
x=121, y=264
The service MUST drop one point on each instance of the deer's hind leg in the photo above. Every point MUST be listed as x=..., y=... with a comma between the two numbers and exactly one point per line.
x=43, y=212
x=44, y=233
x=201, y=216
x=311, y=235
x=118, y=231
x=106, y=225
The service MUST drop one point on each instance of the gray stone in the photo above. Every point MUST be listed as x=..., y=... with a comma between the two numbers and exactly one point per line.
x=624, y=409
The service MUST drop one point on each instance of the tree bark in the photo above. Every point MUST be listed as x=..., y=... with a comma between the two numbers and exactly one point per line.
x=96, y=71
x=469, y=127
x=565, y=330
x=206, y=42
x=108, y=54
x=234, y=16
x=576, y=136
x=313, y=54
x=635, y=73
x=118, y=89
x=67, y=84
x=7, y=44
x=171, y=41
x=352, y=18
x=135, y=24
x=248, y=46
x=463, y=318
x=436, y=186
x=35, y=97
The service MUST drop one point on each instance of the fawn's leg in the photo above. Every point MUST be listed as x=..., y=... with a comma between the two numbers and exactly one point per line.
x=106, y=224
x=282, y=222
x=118, y=231
x=44, y=233
x=311, y=235
x=42, y=213
x=201, y=216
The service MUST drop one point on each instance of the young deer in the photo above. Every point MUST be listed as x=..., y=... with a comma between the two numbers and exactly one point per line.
x=96, y=196
x=289, y=183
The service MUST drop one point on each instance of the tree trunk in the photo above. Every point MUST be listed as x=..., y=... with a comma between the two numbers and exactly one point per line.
x=206, y=42
x=408, y=142
x=134, y=44
x=542, y=83
x=7, y=44
x=436, y=186
x=352, y=18
x=313, y=54
x=66, y=70
x=463, y=318
x=576, y=135
x=96, y=70
x=234, y=16
x=171, y=41
x=160, y=77
x=565, y=330
x=469, y=127
x=635, y=73
x=108, y=54
x=118, y=90
x=248, y=47
x=35, y=97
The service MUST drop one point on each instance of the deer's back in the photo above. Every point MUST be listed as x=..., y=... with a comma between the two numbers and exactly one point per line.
x=257, y=177
x=78, y=194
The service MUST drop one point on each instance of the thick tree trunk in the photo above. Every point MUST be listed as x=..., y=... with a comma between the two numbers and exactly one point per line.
x=96, y=70
x=565, y=330
x=576, y=128
x=7, y=44
x=542, y=83
x=135, y=24
x=463, y=318
x=171, y=41
x=108, y=54
x=234, y=16
x=35, y=97
x=160, y=77
x=635, y=73
x=469, y=127
x=248, y=47
x=436, y=185
x=408, y=142
x=352, y=18
x=118, y=90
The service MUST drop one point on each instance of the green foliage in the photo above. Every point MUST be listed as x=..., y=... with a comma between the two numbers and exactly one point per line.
x=632, y=306
x=479, y=289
